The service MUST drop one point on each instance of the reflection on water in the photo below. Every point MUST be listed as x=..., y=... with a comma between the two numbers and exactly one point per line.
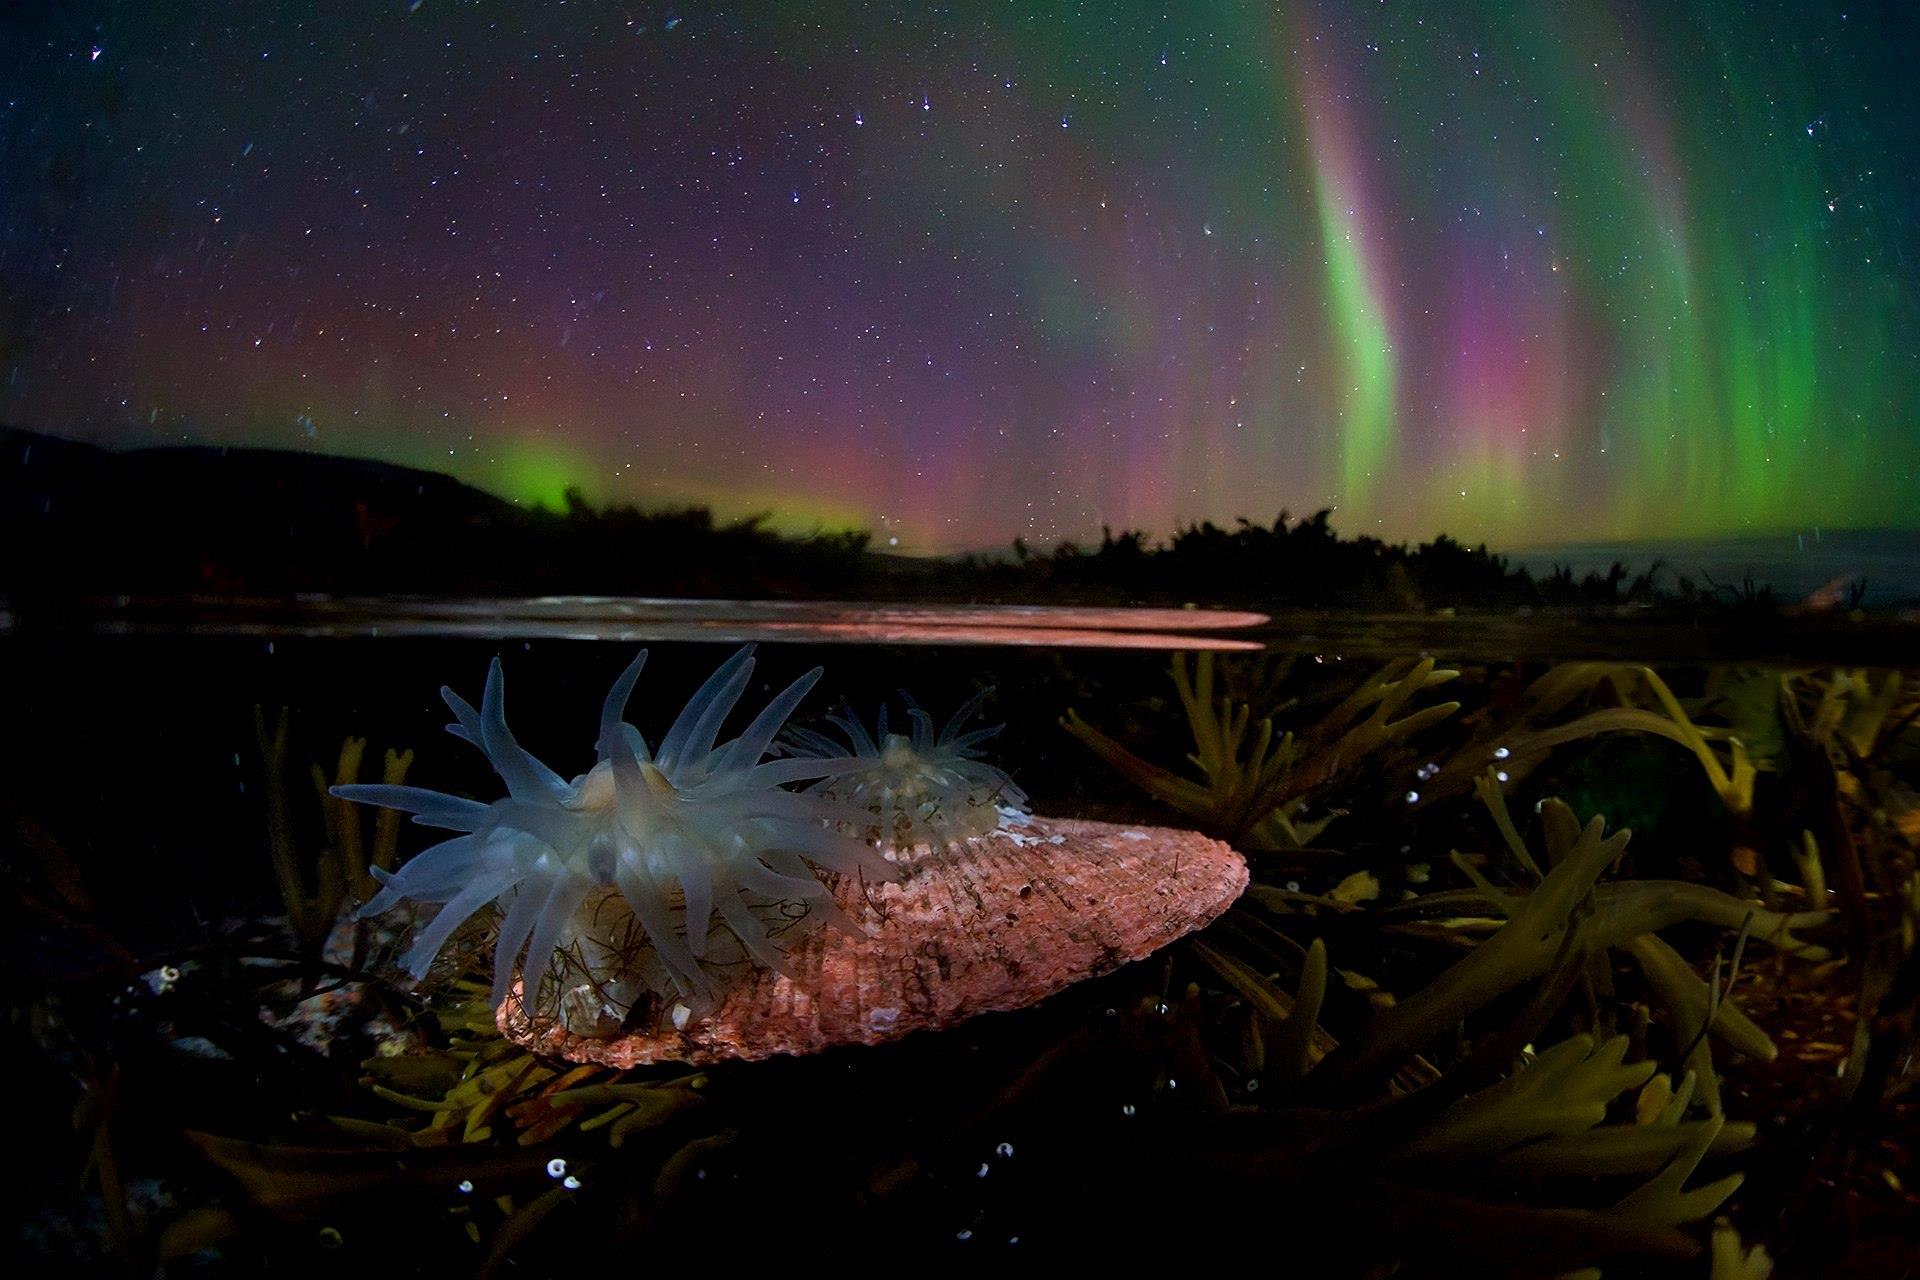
x=1634, y=633
x=637, y=619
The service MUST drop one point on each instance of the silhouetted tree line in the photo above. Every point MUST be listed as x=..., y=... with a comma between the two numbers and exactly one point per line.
x=76, y=520
x=1302, y=563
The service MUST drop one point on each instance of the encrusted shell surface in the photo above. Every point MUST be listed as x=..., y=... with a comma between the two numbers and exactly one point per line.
x=992, y=923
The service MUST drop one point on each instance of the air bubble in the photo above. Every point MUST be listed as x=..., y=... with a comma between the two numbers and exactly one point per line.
x=964, y=1233
x=1293, y=886
x=466, y=1187
x=1004, y=1150
x=330, y=1238
x=1427, y=770
x=1500, y=776
x=556, y=1168
x=570, y=1182
x=1126, y=1109
x=1413, y=797
x=1501, y=753
x=981, y=1172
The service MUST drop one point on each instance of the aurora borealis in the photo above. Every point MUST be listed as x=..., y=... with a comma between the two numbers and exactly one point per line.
x=1523, y=272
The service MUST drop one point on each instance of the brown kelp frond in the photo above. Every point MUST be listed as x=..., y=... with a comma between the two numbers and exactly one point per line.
x=1666, y=1200
x=1521, y=949
x=315, y=888
x=1564, y=1091
x=1620, y=1149
x=1539, y=912
x=1847, y=704
x=1254, y=778
x=1518, y=740
x=1289, y=1038
x=1569, y=909
x=1732, y=1260
x=1629, y=915
x=1697, y=1012
x=1548, y=1120
x=1626, y=909
x=1365, y=720
x=481, y=1086
x=1732, y=777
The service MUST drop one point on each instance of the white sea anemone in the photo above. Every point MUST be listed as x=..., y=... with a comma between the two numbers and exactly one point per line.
x=682, y=835
x=918, y=788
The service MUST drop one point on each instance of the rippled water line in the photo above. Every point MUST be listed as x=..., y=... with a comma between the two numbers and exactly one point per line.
x=628, y=619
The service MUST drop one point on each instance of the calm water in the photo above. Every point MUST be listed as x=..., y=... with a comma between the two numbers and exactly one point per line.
x=1796, y=565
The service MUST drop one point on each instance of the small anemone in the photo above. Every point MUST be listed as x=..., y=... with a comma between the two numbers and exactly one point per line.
x=917, y=788
x=684, y=834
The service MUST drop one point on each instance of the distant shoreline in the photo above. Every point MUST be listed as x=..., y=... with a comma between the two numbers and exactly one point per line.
x=1795, y=565
x=237, y=521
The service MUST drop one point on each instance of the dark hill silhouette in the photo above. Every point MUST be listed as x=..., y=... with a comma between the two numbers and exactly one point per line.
x=87, y=520
x=79, y=520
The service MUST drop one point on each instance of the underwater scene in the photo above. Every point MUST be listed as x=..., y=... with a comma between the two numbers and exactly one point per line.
x=1283, y=634
x=447, y=956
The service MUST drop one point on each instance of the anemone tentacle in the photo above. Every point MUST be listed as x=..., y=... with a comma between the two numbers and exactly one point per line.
x=691, y=837
x=920, y=788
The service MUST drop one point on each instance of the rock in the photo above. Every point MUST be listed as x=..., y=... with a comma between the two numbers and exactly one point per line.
x=992, y=923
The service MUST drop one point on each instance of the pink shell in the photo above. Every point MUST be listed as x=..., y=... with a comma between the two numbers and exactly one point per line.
x=994, y=923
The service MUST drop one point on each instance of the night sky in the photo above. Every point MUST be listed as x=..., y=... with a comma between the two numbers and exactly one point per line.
x=959, y=272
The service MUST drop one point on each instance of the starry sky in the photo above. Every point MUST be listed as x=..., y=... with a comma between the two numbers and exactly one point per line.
x=1529, y=272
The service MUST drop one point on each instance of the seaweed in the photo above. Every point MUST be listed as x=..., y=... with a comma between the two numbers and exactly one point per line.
x=480, y=1085
x=1450, y=1124
x=313, y=889
x=1732, y=1260
x=1518, y=741
x=1513, y=1060
x=1252, y=790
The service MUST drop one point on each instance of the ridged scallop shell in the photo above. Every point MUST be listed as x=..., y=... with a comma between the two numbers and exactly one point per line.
x=992, y=923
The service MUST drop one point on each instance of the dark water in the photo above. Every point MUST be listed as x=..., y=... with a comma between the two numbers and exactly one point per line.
x=157, y=967
x=1797, y=565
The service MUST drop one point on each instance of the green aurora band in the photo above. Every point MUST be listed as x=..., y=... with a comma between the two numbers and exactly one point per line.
x=1522, y=272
